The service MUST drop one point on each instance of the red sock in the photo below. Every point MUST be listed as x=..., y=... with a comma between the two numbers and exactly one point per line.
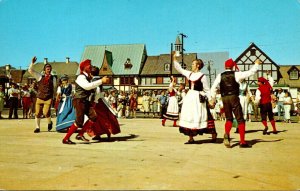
x=163, y=121
x=228, y=126
x=174, y=124
x=265, y=123
x=71, y=130
x=242, y=128
x=273, y=125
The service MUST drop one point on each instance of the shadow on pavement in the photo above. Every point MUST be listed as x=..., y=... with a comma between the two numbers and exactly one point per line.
x=255, y=141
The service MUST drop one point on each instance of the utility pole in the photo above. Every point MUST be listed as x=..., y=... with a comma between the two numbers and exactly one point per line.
x=182, y=49
x=209, y=63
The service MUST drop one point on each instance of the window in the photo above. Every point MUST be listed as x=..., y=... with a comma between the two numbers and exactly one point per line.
x=126, y=80
x=148, y=81
x=252, y=52
x=167, y=67
x=294, y=75
x=104, y=68
x=127, y=64
x=166, y=80
x=180, y=80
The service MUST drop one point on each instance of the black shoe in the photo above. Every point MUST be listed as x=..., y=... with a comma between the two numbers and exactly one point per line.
x=50, y=126
x=245, y=145
x=275, y=132
x=82, y=138
x=96, y=138
x=68, y=142
x=226, y=140
x=237, y=130
x=37, y=130
x=265, y=131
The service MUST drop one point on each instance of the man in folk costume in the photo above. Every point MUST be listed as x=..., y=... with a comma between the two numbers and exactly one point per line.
x=46, y=85
x=83, y=89
x=263, y=98
x=229, y=88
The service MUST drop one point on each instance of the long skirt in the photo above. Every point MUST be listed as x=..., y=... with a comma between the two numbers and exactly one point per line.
x=195, y=117
x=66, y=114
x=106, y=122
x=26, y=102
x=172, y=109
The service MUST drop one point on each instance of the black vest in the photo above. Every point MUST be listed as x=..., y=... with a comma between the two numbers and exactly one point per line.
x=82, y=93
x=228, y=85
x=198, y=86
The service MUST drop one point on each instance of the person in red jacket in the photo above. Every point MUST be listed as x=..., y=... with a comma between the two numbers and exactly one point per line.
x=263, y=98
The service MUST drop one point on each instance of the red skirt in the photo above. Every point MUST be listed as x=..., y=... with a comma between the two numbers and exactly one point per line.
x=26, y=102
x=106, y=122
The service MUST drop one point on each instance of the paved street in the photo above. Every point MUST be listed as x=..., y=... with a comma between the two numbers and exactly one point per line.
x=148, y=156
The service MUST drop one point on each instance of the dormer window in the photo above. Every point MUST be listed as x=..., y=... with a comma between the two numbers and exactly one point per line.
x=127, y=64
x=294, y=74
x=253, y=52
x=167, y=67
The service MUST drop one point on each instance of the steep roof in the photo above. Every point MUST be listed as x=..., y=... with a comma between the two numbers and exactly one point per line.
x=284, y=70
x=120, y=53
x=154, y=65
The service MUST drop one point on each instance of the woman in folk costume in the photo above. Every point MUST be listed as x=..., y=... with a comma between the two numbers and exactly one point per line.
x=173, y=107
x=195, y=117
x=65, y=110
x=106, y=122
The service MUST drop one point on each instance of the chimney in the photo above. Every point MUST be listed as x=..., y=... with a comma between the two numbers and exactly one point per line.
x=67, y=60
x=45, y=60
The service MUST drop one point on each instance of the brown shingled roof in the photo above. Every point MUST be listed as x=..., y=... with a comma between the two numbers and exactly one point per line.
x=286, y=78
x=154, y=65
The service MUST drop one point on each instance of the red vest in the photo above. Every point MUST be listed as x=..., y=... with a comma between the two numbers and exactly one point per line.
x=265, y=94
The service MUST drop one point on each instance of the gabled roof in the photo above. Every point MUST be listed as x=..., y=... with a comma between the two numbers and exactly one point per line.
x=293, y=68
x=120, y=53
x=284, y=70
x=154, y=65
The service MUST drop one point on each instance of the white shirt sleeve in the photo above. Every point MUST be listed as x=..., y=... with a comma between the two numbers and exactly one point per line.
x=35, y=74
x=246, y=74
x=213, y=90
x=182, y=71
x=85, y=84
x=58, y=90
x=257, y=96
x=206, y=88
x=271, y=80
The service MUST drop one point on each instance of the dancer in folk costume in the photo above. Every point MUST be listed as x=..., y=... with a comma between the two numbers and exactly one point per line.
x=2, y=99
x=263, y=98
x=173, y=107
x=65, y=110
x=106, y=122
x=81, y=103
x=46, y=86
x=229, y=88
x=195, y=116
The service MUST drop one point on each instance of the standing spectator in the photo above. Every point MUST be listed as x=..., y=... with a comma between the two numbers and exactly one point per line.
x=154, y=99
x=33, y=92
x=13, y=94
x=133, y=103
x=46, y=86
x=2, y=98
x=26, y=101
x=287, y=103
x=280, y=107
x=229, y=88
x=146, y=103
x=263, y=98
x=163, y=100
